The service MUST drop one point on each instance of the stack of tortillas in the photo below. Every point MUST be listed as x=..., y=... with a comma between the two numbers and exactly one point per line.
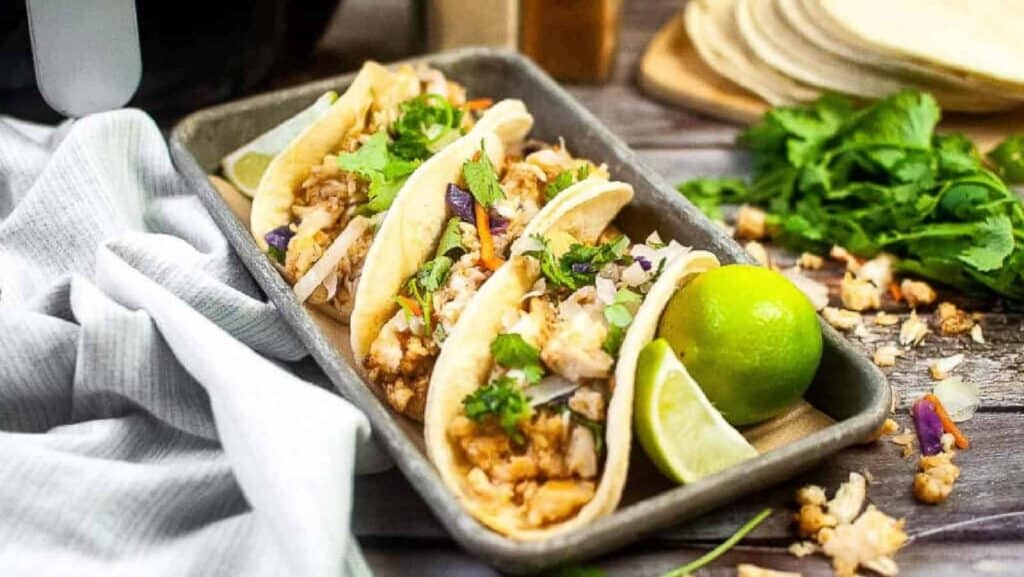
x=736, y=58
x=968, y=53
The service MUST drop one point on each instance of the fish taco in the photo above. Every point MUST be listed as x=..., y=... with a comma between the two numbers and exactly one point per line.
x=437, y=247
x=529, y=413
x=320, y=200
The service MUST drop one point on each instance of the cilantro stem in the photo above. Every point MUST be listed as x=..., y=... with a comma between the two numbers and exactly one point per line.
x=721, y=549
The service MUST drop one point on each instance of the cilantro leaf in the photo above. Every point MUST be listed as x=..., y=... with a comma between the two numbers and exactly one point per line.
x=512, y=351
x=481, y=179
x=427, y=280
x=451, y=238
x=707, y=194
x=368, y=159
x=561, y=182
x=1008, y=158
x=565, y=179
x=275, y=253
x=385, y=171
x=433, y=273
x=503, y=400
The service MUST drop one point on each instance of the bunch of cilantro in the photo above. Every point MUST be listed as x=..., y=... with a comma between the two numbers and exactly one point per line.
x=879, y=179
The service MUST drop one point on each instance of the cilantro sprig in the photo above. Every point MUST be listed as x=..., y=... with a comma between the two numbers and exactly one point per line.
x=511, y=350
x=481, y=179
x=432, y=275
x=564, y=180
x=579, y=266
x=880, y=179
x=503, y=400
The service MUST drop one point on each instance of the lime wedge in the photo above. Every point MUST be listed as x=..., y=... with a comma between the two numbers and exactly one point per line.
x=685, y=436
x=245, y=166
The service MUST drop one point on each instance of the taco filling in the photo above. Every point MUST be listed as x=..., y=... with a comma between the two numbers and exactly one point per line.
x=411, y=118
x=530, y=444
x=488, y=208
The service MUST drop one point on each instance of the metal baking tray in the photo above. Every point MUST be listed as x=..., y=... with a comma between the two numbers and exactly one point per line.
x=848, y=387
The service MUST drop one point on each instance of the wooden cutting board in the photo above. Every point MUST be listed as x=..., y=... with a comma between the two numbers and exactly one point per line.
x=671, y=70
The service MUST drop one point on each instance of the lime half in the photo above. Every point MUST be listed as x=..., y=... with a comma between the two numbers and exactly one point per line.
x=685, y=436
x=245, y=166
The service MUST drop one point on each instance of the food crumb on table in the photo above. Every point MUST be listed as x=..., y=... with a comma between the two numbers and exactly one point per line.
x=913, y=330
x=917, y=292
x=951, y=320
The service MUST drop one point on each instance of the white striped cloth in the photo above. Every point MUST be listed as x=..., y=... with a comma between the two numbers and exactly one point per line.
x=147, y=426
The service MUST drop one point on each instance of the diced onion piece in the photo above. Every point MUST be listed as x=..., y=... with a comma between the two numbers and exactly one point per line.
x=327, y=263
x=634, y=275
x=958, y=397
x=550, y=388
x=605, y=290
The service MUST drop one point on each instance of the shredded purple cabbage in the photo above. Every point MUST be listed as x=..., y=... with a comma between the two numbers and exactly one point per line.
x=582, y=267
x=929, y=427
x=499, y=224
x=460, y=202
x=279, y=237
x=644, y=263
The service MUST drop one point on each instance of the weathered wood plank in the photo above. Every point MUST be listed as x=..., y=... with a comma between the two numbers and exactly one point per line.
x=394, y=559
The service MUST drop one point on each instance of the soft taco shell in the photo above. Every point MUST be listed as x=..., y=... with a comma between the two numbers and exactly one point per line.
x=466, y=361
x=409, y=232
x=271, y=207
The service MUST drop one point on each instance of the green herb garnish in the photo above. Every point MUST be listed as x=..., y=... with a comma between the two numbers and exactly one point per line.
x=880, y=179
x=275, y=253
x=564, y=180
x=510, y=350
x=482, y=180
x=422, y=285
x=425, y=125
x=1008, y=158
x=385, y=171
x=451, y=238
x=503, y=399
x=579, y=266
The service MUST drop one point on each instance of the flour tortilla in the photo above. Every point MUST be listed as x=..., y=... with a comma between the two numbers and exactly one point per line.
x=975, y=38
x=714, y=33
x=774, y=40
x=409, y=233
x=271, y=207
x=809, y=20
x=465, y=362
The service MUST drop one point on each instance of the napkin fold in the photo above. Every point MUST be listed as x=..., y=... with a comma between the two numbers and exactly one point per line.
x=148, y=422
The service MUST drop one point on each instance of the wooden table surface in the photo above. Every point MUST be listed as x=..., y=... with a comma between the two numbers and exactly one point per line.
x=974, y=533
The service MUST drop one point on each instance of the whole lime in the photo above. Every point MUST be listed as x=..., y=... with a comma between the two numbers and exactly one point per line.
x=749, y=338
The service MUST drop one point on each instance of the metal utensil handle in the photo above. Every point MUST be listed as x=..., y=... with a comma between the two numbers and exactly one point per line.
x=86, y=53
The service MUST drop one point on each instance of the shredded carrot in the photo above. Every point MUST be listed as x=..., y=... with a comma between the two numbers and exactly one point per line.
x=895, y=292
x=411, y=305
x=479, y=103
x=483, y=230
x=947, y=424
